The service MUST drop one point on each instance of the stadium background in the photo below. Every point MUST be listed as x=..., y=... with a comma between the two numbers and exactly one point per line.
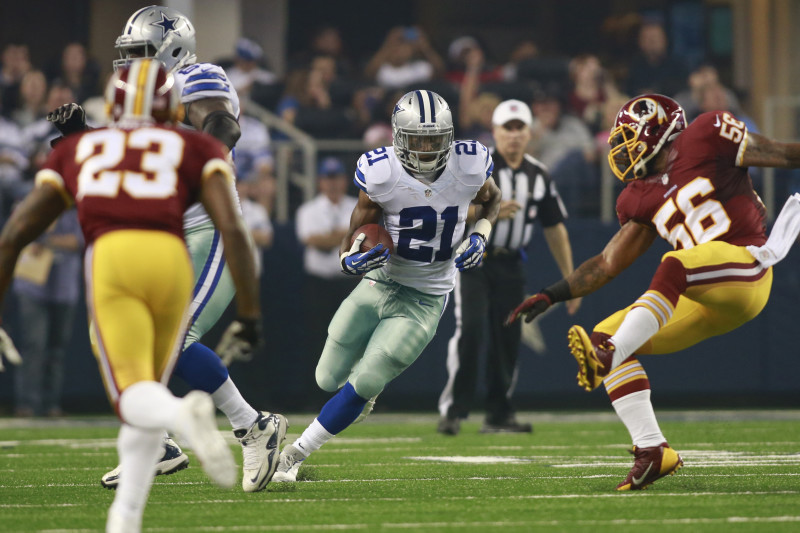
x=751, y=42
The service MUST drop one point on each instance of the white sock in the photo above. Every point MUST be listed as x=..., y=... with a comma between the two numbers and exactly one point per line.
x=229, y=400
x=636, y=412
x=149, y=405
x=637, y=327
x=312, y=438
x=139, y=450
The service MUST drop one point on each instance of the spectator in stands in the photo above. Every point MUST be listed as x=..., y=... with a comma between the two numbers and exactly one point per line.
x=47, y=286
x=691, y=97
x=32, y=99
x=653, y=70
x=588, y=93
x=461, y=58
x=307, y=102
x=36, y=136
x=321, y=224
x=524, y=50
x=253, y=155
x=78, y=72
x=566, y=147
x=474, y=109
x=16, y=63
x=13, y=163
x=256, y=217
x=326, y=40
x=247, y=70
x=405, y=58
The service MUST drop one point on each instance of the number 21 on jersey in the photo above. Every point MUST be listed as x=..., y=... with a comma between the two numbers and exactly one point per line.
x=426, y=233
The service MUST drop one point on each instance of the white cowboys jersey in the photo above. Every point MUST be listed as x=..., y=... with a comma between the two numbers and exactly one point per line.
x=196, y=82
x=426, y=221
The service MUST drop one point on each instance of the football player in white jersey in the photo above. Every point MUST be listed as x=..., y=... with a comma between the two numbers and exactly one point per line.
x=421, y=187
x=212, y=106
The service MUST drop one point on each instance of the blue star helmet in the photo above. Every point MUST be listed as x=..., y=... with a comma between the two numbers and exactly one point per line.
x=158, y=32
x=422, y=132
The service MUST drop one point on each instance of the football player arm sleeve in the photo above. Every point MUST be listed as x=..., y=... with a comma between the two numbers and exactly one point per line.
x=219, y=202
x=215, y=117
x=365, y=212
x=761, y=151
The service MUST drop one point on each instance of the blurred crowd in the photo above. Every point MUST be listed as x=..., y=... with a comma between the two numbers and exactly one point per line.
x=333, y=93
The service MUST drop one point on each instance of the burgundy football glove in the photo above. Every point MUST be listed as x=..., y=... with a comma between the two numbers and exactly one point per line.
x=531, y=308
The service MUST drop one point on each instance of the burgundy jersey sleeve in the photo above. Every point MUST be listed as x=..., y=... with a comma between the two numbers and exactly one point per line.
x=716, y=134
x=56, y=170
x=207, y=155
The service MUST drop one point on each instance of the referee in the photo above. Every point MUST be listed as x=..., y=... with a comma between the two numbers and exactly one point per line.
x=485, y=295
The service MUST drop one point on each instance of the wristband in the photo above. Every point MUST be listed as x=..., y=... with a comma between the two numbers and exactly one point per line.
x=558, y=292
x=484, y=228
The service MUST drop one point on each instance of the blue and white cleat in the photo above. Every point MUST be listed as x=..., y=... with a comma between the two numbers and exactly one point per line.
x=173, y=460
x=261, y=449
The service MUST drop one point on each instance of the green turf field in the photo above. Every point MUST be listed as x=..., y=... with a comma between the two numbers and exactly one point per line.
x=395, y=473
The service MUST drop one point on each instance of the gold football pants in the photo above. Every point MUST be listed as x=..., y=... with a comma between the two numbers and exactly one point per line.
x=138, y=284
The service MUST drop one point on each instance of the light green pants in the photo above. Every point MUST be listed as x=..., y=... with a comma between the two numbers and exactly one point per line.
x=213, y=285
x=378, y=331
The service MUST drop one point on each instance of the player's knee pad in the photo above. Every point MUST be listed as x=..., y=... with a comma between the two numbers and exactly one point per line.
x=332, y=372
x=368, y=384
x=374, y=372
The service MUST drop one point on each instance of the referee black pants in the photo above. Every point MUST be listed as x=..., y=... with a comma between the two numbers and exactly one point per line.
x=483, y=299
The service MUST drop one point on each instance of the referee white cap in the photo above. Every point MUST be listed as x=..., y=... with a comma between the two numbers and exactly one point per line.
x=512, y=110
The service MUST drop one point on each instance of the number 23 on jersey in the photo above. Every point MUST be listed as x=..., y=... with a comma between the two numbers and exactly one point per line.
x=100, y=154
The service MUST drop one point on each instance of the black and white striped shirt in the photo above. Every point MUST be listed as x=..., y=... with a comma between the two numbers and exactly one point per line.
x=530, y=186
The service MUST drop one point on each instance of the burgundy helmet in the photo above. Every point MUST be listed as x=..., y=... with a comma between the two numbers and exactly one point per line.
x=643, y=126
x=143, y=90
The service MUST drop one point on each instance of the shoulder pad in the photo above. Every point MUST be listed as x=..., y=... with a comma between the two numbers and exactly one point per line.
x=473, y=160
x=376, y=171
x=203, y=80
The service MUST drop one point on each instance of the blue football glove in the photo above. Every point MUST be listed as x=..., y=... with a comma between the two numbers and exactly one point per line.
x=470, y=254
x=356, y=263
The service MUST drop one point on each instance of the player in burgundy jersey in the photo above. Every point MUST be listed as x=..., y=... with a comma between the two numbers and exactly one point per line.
x=690, y=185
x=131, y=183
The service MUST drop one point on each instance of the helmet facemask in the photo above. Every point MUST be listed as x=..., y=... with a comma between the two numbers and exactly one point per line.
x=423, y=153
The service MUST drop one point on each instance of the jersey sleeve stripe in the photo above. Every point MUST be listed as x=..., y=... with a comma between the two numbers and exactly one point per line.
x=489, y=170
x=217, y=165
x=360, y=180
x=206, y=76
x=742, y=148
x=207, y=86
x=50, y=177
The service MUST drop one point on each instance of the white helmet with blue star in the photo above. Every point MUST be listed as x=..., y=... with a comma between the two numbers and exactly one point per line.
x=158, y=32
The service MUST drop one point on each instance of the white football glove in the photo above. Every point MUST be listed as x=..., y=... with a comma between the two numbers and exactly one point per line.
x=356, y=263
x=8, y=350
x=239, y=341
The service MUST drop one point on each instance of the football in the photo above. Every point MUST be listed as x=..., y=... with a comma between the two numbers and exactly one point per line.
x=375, y=234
